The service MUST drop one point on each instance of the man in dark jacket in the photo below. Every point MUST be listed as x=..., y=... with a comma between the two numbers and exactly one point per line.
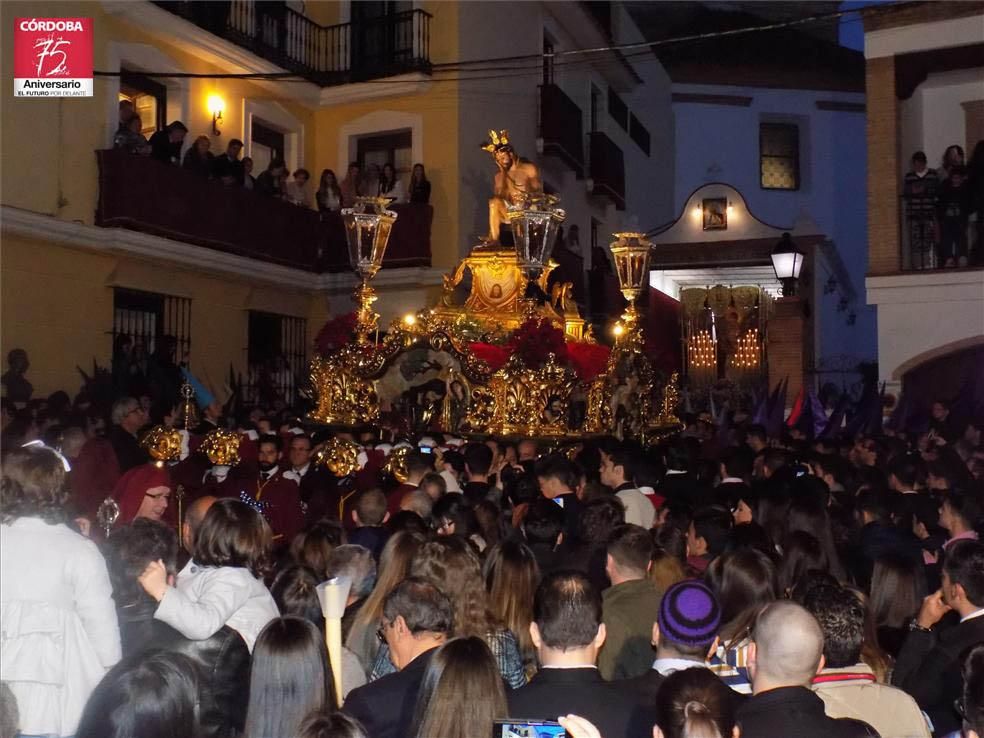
x=223, y=659
x=165, y=145
x=568, y=634
x=417, y=618
x=928, y=666
x=128, y=417
x=785, y=654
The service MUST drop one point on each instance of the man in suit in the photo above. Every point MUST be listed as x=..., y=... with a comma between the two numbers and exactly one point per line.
x=319, y=487
x=629, y=604
x=928, y=666
x=558, y=480
x=417, y=618
x=277, y=497
x=685, y=635
x=227, y=168
x=568, y=634
x=785, y=654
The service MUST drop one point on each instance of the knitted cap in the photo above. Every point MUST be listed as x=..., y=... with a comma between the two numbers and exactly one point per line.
x=689, y=614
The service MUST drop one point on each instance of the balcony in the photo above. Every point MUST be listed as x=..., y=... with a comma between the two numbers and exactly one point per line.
x=927, y=243
x=393, y=44
x=561, y=128
x=140, y=194
x=607, y=169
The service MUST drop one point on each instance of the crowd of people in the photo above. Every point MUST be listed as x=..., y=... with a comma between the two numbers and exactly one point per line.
x=721, y=583
x=939, y=204
x=276, y=181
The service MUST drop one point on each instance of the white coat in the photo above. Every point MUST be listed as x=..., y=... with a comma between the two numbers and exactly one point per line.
x=208, y=597
x=58, y=627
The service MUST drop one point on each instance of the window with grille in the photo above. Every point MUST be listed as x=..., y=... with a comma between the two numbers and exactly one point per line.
x=276, y=358
x=150, y=327
x=779, y=156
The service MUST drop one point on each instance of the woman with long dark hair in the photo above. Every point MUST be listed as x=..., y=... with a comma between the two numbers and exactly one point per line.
x=290, y=678
x=151, y=694
x=461, y=693
x=744, y=581
x=511, y=578
x=392, y=186
x=898, y=586
x=420, y=186
x=329, y=194
x=808, y=513
x=394, y=566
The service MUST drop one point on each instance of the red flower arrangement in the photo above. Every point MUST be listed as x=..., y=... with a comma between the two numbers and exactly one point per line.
x=336, y=333
x=535, y=340
x=588, y=359
x=495, y=356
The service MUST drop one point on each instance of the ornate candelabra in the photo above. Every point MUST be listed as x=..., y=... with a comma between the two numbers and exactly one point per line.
x=631, y=255
x=535, y=223
x=367, y=230
x=346, y=394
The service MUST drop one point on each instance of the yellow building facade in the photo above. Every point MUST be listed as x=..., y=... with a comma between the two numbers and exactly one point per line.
x=59, y=272
x=62, y=275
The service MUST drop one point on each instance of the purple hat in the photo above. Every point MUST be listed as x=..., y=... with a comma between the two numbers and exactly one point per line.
x=689, y=614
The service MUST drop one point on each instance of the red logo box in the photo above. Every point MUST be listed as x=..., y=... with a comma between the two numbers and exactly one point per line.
x=53, y=57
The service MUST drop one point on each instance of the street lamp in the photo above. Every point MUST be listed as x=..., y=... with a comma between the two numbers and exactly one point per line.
x=787, y=260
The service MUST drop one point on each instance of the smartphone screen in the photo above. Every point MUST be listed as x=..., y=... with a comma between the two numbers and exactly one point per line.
x=527, y=729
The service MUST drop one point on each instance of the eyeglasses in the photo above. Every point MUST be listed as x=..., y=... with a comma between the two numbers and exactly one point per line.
x=165, y=495
x=56, y=452
x=381, y=632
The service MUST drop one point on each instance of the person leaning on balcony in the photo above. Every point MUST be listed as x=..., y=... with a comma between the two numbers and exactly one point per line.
x=298, y=192
x=420, y=186
x=226, y=167
x=198, y=159
x=268, y=183
x=165, y=145
x=130, y=139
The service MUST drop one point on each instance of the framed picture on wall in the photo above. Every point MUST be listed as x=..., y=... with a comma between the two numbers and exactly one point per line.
x=715, y=210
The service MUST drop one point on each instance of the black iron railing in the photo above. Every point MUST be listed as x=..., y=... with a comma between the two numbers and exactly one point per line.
x=561, y=127
x=395, y=43
x=140, y=194
x=607, y=169
x=933, y=238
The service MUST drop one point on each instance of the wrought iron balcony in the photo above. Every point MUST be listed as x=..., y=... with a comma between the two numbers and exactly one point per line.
x=607, y=169
x=392, y=44
x=561, y=127
x=140, y=194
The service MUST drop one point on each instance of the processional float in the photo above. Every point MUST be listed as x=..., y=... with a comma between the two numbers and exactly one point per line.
x=510, y=360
